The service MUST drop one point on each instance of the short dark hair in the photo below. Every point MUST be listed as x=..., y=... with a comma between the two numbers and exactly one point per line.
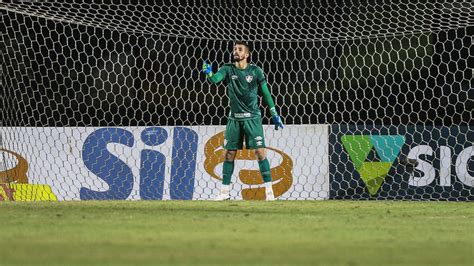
x=244, y=44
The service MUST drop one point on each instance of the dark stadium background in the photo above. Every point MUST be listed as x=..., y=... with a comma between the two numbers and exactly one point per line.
x=65, y=74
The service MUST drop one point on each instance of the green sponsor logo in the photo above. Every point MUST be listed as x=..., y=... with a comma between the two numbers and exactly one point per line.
x=384, y=148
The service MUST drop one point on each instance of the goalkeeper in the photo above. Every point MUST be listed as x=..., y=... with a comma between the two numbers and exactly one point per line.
x=244, y=82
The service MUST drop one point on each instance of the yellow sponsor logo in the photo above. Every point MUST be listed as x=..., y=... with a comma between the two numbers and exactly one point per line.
x=281, y=174
x=26, y=192
x=14, y=183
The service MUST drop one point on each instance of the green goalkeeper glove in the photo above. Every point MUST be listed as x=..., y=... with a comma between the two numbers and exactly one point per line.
x=276, y=119
x=207, y=69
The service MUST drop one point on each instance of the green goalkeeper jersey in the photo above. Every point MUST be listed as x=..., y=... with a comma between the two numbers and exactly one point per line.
x=243, y=87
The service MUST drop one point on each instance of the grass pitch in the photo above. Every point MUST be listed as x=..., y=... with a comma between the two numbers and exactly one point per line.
x=237, y=232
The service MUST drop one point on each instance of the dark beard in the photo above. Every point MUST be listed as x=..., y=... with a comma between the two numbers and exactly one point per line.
x=237, y=59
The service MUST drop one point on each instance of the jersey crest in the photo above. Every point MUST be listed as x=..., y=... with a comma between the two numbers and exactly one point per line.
x=249, y=78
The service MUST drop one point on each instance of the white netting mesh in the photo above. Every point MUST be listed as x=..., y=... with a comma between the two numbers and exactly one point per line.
x=401, y=69
x=274, y=21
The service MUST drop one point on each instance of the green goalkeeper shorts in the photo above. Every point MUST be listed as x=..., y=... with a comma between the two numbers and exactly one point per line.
x=250, y=130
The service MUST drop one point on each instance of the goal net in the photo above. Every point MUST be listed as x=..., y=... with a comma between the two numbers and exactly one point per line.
x=105, y=99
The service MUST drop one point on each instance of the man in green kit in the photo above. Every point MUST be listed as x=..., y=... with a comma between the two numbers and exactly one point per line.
x=244, y=82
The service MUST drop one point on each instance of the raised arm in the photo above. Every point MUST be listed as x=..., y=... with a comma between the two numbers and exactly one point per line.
x=214, y=78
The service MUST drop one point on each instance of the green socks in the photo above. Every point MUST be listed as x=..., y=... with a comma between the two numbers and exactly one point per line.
x=227, y=171
x=265, y=170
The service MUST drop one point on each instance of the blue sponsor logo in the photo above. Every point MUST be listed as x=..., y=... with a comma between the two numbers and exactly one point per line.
x=118, y=175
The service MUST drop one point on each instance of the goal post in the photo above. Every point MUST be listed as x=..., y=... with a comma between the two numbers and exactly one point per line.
x=106, y=100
